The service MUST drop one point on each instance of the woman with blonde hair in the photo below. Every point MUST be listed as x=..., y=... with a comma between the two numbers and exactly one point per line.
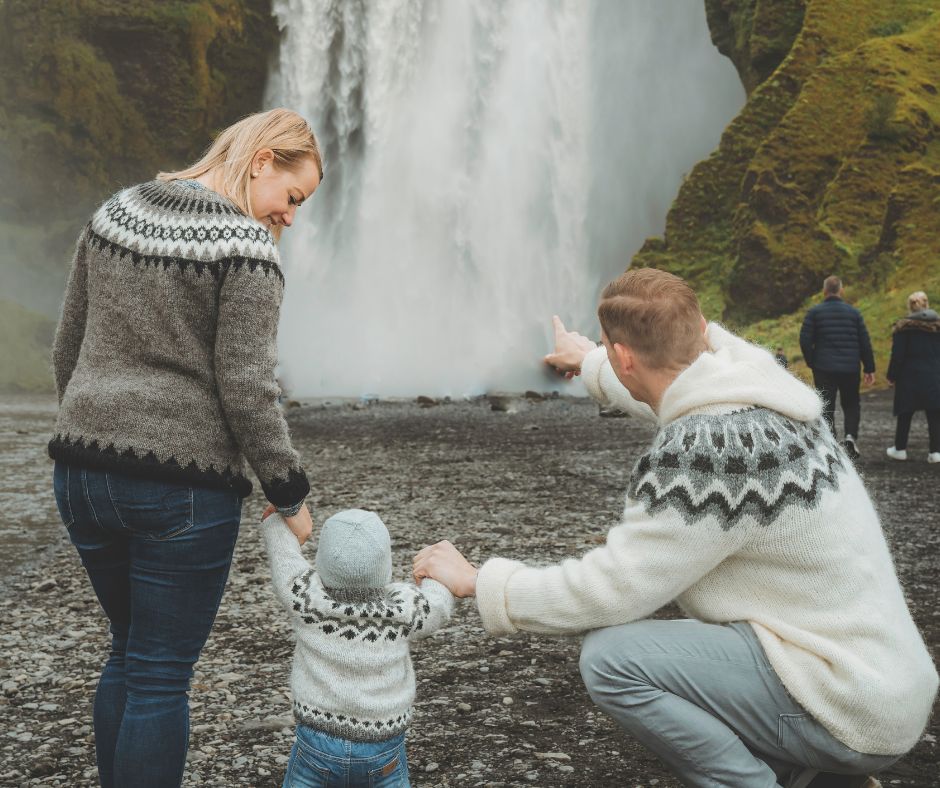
x=914, y=371
x=164, y=361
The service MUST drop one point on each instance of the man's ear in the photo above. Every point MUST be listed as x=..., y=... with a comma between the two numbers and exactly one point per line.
x=625, y=360
x=704, y=324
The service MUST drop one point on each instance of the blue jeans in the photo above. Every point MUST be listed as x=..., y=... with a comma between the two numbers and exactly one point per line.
x=318, y=760
x=706, y=700
x=158, y=555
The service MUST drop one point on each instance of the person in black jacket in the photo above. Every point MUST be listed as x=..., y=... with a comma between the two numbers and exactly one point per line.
x=834, y=342
x=914, y=371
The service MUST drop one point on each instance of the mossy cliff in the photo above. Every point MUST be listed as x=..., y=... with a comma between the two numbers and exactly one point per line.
x=95, y=95
x=833, y=166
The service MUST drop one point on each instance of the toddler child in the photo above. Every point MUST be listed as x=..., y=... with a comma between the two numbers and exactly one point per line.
x=352, y=680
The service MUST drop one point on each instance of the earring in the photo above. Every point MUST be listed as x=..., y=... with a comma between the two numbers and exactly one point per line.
x=254, y=175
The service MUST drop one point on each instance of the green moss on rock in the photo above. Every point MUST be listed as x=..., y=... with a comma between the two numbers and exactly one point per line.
x=96, y=95
x=99, y=94
x=831, y=167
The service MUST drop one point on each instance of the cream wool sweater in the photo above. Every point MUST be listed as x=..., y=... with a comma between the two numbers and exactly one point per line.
x=352, y=674
x=745, y=508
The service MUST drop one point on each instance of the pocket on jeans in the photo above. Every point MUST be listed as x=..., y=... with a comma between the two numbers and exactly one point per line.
x=154, y=509
x=307, y=772
x=790, y=738
x=391, y=771
x=61, y=476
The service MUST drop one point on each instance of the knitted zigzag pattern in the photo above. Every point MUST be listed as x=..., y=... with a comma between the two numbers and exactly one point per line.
x=215, y=268
x=155, y=221
x=752, y=463
x=382, y=618
x=90, y=454
x=346, y=727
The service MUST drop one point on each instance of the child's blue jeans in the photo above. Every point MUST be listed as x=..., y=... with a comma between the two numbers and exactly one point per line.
x=319, y=760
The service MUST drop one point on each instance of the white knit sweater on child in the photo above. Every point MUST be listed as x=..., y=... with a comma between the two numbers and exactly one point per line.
x=745, y=508
x=352, y=675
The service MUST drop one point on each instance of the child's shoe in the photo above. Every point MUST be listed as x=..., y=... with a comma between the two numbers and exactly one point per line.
x=897, y=454
x=934, y=456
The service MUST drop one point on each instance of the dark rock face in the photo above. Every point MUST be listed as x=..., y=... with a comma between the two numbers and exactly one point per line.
x=755, y=34
x=99, y=94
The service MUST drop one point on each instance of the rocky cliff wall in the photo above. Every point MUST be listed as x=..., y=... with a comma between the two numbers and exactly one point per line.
x=833, y=165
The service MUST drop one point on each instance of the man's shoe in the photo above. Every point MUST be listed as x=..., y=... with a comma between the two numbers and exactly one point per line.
x=826, y=780
x=850, y=447
x=897, y=454
x=934, y=456
x=810, y=778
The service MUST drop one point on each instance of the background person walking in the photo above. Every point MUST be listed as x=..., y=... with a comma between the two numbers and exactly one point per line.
x=834, y=341
x=914, y=371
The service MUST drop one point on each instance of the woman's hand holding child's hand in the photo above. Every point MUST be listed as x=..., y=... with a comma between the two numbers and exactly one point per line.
x=301, y=524
x=443, y=562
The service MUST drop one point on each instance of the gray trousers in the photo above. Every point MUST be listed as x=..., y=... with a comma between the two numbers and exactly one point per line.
x=704, y=698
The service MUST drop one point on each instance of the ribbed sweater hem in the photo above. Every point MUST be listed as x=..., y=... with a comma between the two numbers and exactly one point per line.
x=345, y=727
x=148, y=467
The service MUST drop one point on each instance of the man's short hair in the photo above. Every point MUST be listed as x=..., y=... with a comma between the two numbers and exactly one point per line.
x=654, y=313
x=832, y=285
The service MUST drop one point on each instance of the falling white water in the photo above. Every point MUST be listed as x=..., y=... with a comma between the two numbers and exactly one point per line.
x=489, y=163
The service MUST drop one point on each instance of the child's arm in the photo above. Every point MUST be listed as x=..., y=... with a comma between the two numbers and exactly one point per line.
x=284, y=557
x=437, y=611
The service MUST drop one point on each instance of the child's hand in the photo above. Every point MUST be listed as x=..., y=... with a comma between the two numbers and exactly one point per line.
x=443, y=562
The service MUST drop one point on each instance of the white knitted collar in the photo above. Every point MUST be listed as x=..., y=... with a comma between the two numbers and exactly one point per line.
x=733, y=375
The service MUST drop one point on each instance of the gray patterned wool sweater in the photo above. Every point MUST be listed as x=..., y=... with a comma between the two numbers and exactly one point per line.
x=745, y=508
x=165, y=352
x=352, y=675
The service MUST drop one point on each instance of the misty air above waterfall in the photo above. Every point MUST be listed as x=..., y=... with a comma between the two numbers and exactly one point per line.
x=487, y=164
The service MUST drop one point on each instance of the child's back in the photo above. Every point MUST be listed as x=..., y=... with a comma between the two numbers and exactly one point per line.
x=352, y=679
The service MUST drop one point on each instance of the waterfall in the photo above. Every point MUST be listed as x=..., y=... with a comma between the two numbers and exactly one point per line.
x=489, y=163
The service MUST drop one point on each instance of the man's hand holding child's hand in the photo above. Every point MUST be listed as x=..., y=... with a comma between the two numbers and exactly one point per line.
x=443, y=562
x=301, y=524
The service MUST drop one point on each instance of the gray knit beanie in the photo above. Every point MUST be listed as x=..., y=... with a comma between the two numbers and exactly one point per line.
x=354, y=551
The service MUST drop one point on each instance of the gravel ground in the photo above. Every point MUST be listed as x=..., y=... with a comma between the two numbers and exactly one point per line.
x=542, y=481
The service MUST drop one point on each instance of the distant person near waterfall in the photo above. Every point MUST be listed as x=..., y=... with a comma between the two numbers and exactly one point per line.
x=800, y=665
x=914, y=371
x=834, y=342
x=164, y=363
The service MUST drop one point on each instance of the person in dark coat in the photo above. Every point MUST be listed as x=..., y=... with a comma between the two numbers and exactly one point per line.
x=834, y=342
x=914, y=371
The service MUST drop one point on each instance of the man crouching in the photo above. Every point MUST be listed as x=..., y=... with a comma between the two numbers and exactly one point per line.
x=800, y=661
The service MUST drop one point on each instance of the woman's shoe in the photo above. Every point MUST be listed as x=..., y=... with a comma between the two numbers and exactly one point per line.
x=901, y=454
x=934, y=456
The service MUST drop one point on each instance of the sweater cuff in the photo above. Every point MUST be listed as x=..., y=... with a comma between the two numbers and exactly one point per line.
x=591, y=372
x=491, y=595
x=287, y=492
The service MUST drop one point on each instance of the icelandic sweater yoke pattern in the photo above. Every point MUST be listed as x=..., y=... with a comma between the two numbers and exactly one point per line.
x=749, y=463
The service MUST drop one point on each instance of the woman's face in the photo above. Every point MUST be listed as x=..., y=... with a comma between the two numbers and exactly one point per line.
x=277, y=193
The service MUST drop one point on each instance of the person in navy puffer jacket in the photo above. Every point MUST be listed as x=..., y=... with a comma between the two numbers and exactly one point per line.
x=835, y=343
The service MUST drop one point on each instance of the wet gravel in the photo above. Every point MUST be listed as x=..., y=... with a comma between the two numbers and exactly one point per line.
x=536, y=480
